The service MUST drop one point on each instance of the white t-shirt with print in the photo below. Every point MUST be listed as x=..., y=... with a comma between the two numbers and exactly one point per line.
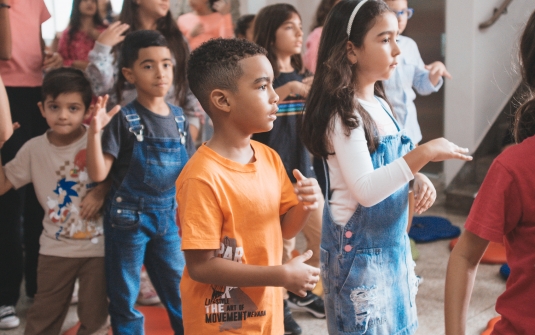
x=60, y=179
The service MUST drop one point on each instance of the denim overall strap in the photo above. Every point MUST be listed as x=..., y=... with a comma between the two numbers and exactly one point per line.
x=140, y=227
x=367, y=269
x=180, y=120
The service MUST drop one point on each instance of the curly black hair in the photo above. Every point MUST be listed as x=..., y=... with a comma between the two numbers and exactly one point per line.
x=215, y=65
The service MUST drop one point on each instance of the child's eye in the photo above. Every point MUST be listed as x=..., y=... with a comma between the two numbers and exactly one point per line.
x=148, y=67
x=53, y=107
x=167, y=65
x=74, y=109
x=386, y=40
x=263, y=87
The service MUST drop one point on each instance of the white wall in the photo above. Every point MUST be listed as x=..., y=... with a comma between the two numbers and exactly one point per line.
x=482, y=64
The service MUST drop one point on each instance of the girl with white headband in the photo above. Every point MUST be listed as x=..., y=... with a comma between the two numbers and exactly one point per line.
x=366, y=264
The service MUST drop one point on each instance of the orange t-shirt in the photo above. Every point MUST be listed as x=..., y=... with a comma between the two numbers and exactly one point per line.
x=214, y=25
x=233, y=208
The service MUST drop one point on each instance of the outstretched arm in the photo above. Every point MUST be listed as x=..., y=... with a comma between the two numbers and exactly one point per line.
x=6, y=127
x=5, y=32
x=462, y=268
x=99, y=163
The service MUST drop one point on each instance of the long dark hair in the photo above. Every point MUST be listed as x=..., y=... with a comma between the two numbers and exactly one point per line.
x=175, y=40
x=76, y=18
x=333, y=89
x=525, y=114
x=266, y=23
x=321, y=13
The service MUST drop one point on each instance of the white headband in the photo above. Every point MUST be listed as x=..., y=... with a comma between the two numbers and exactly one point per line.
x=352, y=17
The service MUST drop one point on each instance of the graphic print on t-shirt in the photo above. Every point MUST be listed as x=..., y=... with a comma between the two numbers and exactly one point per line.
x=230, y=306
x=63, y=203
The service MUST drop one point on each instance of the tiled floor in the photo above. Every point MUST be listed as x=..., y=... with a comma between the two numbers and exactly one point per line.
x=431, y=266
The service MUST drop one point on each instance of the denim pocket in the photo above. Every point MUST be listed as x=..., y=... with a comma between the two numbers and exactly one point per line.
x=122, y=218
x=361, y=301
x=163, y=166
x=324, y=269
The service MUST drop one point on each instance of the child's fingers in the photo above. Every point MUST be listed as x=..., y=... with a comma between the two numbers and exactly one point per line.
x=114, y=111
x=298, y=175
x=446, y=74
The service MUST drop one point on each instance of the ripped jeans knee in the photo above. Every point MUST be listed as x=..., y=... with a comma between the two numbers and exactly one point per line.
x=367, y=305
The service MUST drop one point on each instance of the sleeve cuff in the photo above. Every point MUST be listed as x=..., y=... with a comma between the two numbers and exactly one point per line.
x=404, y=168
x=102, y=48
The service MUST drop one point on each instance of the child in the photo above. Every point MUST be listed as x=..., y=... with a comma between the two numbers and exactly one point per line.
x=103, y=69
x=278, y=30
x=504, y=211
x=236, y=202
x=313, y=40
x=143, y=151
x=79, y=38
x=209, y=19
x=245, y=27
x=367, y=271
x=72, y=245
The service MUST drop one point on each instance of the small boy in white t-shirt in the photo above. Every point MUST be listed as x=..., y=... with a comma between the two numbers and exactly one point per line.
x=72, y=241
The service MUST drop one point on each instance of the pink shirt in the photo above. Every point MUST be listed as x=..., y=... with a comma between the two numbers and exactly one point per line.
x=24, y=67
x=504, y=211
x=78, y=48
x=311, y=54
x=215, y=25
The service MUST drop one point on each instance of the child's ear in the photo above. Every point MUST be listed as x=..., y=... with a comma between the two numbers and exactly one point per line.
x=41, y=108
x=351, y=52
x=128, y=75
x=219, y=98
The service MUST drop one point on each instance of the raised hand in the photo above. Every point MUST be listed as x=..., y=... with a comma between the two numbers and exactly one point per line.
x=222, y=6
x=436, y=70
x=307, y=190
x=101, y=118
x=301, y=277
x=52, y=61
x=442, y=149
x=424, y=193
x=113, y=34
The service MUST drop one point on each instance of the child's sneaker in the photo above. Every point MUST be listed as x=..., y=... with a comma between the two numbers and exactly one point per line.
x=147, y=294
x=8, y=317
x=290, y=326
x=311, y=303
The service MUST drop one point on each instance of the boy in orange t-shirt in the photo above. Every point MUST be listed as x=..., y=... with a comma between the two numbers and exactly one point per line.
x=236, y=202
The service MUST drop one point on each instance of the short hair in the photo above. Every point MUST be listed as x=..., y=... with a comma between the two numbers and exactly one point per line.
x=215, y=65
x=66, y=80
x=243, y=24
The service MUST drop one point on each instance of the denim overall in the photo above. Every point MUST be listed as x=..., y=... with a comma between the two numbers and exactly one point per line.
x=367, y=268
x=140, y=227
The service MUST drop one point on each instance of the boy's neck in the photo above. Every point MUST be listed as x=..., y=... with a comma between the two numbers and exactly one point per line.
x=65, y=140
x=157, y=105
x=232, y=145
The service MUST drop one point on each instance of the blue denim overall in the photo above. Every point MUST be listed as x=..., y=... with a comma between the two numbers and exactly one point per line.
x=367, y=268
x=140, y=227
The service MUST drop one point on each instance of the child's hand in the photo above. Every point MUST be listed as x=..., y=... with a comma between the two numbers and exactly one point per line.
x=424, y=193
x=442, y=149
x=197, y=30
x=300, y=88
x=91, y=205
x=301, y=277
x=101, y=117
x=52, y=61
x=436, y=70
x=113, y=34
x=222, y=6
x=307, y=190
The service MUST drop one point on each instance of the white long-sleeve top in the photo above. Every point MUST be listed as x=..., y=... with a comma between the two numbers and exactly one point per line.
x=353, y=180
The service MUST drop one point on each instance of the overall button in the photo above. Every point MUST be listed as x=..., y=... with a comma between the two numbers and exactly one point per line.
x=347, y=248
x=349, y=234
x=119, y=211
x=119, y=199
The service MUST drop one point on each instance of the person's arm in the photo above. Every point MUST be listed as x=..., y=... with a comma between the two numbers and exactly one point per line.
x=6, y=127
x=460, y=276
x=295, y=276
x=425, y=193
x=292, y=88
x=5, y=184
x=98, y=162
x=5, y=31
x=101, y=69
x=94, y=199
x=308, y=193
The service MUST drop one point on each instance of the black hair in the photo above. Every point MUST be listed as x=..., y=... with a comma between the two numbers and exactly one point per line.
x=177, y=44
x=333, y=89
x=215, y=65
x=243, y=24
x=132, y=43
x=525, y=115
x=75, y=22
x=66, y=80
x=266, y=23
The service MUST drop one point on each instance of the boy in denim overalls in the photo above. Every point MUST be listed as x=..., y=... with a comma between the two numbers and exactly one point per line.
x=144, y=147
